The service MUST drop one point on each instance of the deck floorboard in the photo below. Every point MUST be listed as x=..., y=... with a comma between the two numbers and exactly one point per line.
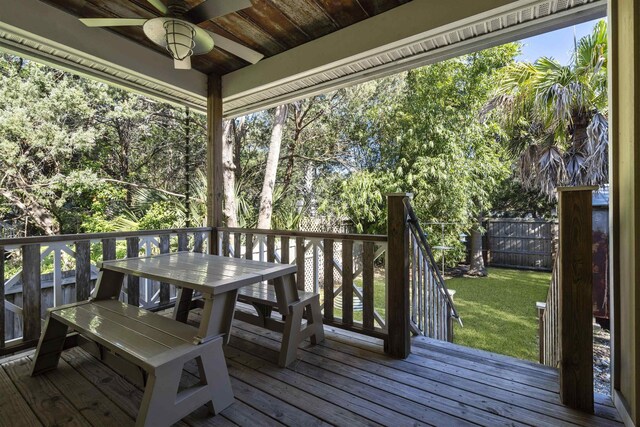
x=346, y=380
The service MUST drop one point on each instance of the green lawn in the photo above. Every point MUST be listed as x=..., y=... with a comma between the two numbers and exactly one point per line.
x=499, y=312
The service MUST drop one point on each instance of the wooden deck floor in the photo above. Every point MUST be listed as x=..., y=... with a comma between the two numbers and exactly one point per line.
x=346, y=380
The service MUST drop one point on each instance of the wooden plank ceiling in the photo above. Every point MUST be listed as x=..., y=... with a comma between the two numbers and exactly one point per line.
x=269, y=26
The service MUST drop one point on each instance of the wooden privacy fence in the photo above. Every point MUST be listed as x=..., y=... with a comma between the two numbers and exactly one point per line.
x=520, y=243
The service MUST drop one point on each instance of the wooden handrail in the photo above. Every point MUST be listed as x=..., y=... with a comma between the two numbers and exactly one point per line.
x=19, y=241
x=307, y=234
x=23, y=324
x=416, y=229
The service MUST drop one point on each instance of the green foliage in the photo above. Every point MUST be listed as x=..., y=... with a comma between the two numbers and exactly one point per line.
x=499, y=311
x=421, y=133
x=72, y=151
x=159, y=216
x=555, y=116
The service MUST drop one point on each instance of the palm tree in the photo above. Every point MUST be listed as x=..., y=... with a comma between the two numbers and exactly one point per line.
x=556, y=116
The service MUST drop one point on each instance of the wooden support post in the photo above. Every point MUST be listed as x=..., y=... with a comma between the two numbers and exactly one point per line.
x=214, y=159
x=248, y=250
x=399, y=342
x=183, y=242
x=165, y=290
x=368, y=283
x=328, y=278
x=31, y=288
x=133, y=282
x=198, y=242
x=347, y=282
x=284, y=250
x=575, y=297
x=300, y=263
x=108, y=249
x=83, y=270
x=2, y=313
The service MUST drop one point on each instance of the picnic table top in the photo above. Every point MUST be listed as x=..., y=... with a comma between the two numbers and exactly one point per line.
x=206, y=273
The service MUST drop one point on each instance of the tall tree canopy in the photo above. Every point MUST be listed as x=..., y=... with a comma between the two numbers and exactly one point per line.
x=421, y=133
x=555, y=116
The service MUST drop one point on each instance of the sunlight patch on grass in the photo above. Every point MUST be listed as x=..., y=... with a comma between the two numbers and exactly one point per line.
x=499, y=311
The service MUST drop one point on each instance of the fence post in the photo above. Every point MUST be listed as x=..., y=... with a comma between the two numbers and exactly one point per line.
x=575, y=297
x=399, y=341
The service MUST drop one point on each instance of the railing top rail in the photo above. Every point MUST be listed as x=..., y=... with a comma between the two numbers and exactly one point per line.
x=96, y=236
x=308, y=234
x=413, y=220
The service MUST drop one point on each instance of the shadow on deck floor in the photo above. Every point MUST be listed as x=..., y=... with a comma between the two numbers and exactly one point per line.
x=346, y=380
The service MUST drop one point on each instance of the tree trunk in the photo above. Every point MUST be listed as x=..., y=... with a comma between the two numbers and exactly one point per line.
x=230, y=208
x=477, y=267
x=40, y=215
x=266, y=196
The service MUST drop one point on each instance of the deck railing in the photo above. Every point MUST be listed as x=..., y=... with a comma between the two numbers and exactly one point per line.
x=548, y=322
x=432, y=308
x=347, y=270
x=377, y=285
x=69, y=262
x=566, y=332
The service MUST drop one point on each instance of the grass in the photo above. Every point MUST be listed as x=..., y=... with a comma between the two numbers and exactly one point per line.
x=499, y=312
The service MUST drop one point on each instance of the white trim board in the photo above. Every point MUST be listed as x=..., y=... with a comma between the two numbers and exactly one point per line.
x=324, y=64
x=417, y=33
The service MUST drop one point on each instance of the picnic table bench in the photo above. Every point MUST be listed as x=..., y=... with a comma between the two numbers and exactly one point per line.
x=292, y=305
x=132, y=338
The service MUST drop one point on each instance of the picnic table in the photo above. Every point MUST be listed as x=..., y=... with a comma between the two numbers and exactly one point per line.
x=160, y=346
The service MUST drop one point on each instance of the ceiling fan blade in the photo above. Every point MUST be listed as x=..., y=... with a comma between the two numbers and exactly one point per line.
x=184, y=64
x=112, y=22
x=236, y=49
x=210, y=9
x=162, y=8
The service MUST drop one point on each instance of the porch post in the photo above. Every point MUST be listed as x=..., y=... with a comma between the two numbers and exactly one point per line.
x=575, y=297
x=624, y=205
x=214, y=159
x=399, y=341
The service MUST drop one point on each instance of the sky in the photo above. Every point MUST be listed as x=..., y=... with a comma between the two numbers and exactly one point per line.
x=557, y=44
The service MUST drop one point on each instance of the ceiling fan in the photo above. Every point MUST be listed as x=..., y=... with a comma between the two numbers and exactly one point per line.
x=178, y=30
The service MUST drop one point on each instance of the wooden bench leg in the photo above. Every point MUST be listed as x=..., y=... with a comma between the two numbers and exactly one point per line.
x=50, y=346
x=213, y=372
x=291, y=336
x=314, y=320
x=163, y=405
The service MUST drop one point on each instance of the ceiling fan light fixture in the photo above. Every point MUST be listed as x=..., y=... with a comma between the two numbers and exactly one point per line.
x=180, y=39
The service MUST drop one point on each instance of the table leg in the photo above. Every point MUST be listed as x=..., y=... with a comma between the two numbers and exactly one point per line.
x=217, y=316
x=108, y=285
x=183, y=304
